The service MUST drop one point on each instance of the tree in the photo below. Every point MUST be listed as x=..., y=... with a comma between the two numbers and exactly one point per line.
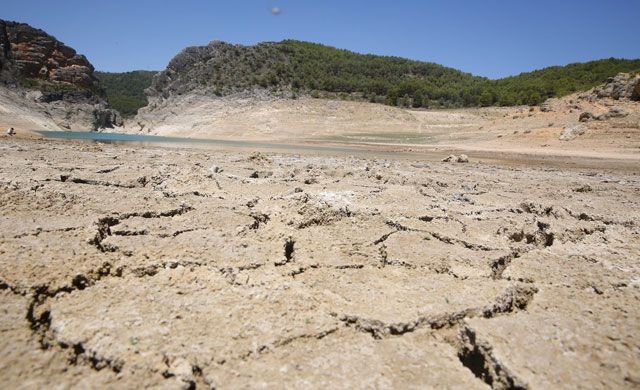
x=486, y=99
x=392, y=98
x=418, y=98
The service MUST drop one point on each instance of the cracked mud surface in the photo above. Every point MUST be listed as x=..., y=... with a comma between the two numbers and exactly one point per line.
x=172, y=268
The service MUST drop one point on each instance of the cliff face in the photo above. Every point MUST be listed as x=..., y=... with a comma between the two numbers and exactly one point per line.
x=52, y=78
x=37, y=55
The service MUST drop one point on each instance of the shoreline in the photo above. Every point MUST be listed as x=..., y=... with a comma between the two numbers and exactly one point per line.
x=512, y=157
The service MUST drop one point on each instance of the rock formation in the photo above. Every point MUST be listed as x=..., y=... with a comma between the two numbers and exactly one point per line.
x=614, y=112
x=622, y=86
x=37, y=55
x=52, y=75
x=219, y=68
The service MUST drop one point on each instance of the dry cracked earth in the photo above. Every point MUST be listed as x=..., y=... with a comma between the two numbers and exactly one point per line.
x=124, y=266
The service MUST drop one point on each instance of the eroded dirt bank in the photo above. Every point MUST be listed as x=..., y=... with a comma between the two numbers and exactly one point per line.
x=130, y=267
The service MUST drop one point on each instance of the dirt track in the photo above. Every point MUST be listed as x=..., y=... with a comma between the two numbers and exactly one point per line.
x=129, y=267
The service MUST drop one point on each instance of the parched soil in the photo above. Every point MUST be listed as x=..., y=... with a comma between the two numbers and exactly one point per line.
x=127, y=267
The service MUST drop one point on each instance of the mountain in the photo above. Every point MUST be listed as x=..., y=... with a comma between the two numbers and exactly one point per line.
x=52, y=78
x=125, y=91
x=290, y=68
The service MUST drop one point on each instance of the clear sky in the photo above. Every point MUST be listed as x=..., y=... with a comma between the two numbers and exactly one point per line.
x=492, y=38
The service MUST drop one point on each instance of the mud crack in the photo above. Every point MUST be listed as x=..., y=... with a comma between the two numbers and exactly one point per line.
x=457, y=241
x=478, y=357
x=106, y=223
x=398, y=228
x=514, y=298
x=262, y=349
x=39, y=231
x=500, y=265
x=140, y=182
x=39, y=318
x=289, y=248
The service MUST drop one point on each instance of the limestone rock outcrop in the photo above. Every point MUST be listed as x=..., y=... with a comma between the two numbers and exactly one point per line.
x=34, y=54
x=622, y=86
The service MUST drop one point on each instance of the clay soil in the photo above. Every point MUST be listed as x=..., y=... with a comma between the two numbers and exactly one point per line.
x=124, y=266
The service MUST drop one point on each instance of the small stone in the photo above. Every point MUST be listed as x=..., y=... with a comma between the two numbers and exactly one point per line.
x=587, y=117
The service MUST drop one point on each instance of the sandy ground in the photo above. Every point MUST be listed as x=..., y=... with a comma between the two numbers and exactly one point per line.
x=521, y=130
x=126, y=267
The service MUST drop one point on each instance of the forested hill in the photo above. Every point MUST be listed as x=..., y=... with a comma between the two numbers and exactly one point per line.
x=125, y=91
x=314, y=69
x=535, y=87
x=296, y=68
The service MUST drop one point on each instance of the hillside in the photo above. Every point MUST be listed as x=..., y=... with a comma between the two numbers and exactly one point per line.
x=125, y=91
x=292, y=68
x=301, y=67
x=557, y=81
x=42, y=76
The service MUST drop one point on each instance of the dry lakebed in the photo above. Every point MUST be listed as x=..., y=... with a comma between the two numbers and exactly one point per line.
x=124, y=266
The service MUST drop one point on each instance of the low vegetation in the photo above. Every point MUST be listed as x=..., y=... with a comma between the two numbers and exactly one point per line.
x=125, y=91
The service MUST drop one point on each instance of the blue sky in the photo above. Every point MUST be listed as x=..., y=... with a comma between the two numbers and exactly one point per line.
x=491, y=38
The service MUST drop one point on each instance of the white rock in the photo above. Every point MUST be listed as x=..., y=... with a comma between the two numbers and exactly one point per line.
x=572, y=131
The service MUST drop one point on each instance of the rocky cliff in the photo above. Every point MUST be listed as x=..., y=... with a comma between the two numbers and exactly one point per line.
x=38, y=55
x=52, y=78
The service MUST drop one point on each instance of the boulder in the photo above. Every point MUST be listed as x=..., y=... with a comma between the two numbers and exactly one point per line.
x=587, y=117
x=572, y=131
x=617, y=112
x=459, y=159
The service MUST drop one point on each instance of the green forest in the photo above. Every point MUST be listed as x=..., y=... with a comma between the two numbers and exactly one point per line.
x=323, y=71
x=125, y=91
x=401, y=82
